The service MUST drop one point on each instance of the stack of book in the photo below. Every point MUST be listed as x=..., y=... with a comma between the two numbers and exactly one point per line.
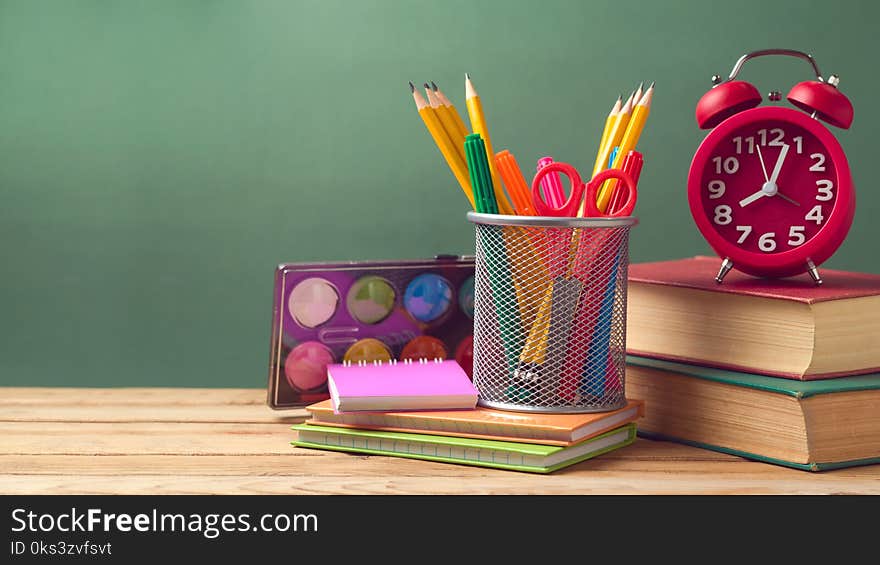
x=428, y=411
x=776, y=370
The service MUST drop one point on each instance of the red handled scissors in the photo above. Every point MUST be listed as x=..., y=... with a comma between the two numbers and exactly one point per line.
x=583, y=192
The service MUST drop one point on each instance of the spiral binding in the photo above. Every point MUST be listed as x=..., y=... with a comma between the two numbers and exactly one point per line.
x=377, y=363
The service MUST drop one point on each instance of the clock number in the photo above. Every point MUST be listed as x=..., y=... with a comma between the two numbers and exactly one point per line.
x=716, y=189
x=750, y=141
x=766, y=243
x=796, y=236
x=746, y=230
x=776, y=141
x=723, y=215
x=819, y=165
x=824, y=186
x=730, y=165
x=815, y=214
x=799, y=143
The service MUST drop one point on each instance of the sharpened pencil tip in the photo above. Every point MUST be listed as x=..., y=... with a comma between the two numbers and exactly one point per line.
x=652, y=85
x=434, y=86
x=467, y=76
x=412, y=87
x=427, y=87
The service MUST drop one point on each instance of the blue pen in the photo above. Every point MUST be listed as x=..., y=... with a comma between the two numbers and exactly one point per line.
x=613, y=156
x=593, y=381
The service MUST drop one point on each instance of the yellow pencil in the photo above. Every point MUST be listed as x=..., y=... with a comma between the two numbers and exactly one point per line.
x=478, y=125
x=446, y=121
x=639, y=93
x=456, y=117
x=435, y=128
x=618, y=128
x=609, y=125
x=609, y=122
x=627, y=143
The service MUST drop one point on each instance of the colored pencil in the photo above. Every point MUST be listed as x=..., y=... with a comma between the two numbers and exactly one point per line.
x=444, y=144
x=639, y=93
x=609, y=123
x=618, y=127
x=627, y=143
x=613, y=155
x=478, y=125
x=456, y=117
x=446, y=120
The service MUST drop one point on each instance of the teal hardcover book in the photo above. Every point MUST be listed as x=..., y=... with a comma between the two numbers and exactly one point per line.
x=810, y=425
x=529, y=457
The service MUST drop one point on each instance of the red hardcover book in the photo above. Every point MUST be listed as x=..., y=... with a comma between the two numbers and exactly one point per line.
x=780, y=327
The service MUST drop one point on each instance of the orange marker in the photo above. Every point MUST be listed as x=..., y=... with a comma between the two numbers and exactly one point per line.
x=515, y=183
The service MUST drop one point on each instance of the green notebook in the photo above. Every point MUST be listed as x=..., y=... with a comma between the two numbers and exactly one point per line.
x=530, y=457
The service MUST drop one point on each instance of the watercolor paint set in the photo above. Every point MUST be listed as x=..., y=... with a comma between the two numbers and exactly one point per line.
x=371, y=311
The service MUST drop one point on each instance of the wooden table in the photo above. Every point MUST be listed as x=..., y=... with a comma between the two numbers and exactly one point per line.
x=200, y=441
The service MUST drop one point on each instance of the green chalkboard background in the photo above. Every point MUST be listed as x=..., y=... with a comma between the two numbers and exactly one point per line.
x=159, y=158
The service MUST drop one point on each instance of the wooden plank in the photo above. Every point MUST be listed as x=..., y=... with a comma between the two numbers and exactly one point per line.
x=640, y=469
x=36, y=438
x=227, y=441
x=230, y=413
x=134, y=438
x=140, y=405
x=129, y=396
x=411, y=477
x=644, y=454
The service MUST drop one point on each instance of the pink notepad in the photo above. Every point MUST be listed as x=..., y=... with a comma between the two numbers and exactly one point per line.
x=400, y=385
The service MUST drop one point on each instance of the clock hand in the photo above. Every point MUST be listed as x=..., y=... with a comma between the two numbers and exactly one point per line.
x=778, y=166
x=749, y=199
x=769, y=188
x=761, y=158
x=786, y=198
x=756, y=196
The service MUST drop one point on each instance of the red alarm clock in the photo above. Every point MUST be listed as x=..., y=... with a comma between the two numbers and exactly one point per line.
x=770, y=188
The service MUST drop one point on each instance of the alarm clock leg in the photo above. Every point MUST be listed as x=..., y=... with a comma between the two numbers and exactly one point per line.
x=726, y=265
x=814, y=272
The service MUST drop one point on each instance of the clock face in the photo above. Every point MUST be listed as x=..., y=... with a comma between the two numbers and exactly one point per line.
x=768, y=187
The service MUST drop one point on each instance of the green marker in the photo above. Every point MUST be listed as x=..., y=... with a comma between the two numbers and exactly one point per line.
x=473, y=171
x=497, y=264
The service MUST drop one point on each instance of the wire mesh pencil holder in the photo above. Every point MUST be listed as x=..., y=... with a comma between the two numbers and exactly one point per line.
x=550, y=312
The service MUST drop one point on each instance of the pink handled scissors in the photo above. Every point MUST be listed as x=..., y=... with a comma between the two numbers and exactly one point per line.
x=581, y=191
